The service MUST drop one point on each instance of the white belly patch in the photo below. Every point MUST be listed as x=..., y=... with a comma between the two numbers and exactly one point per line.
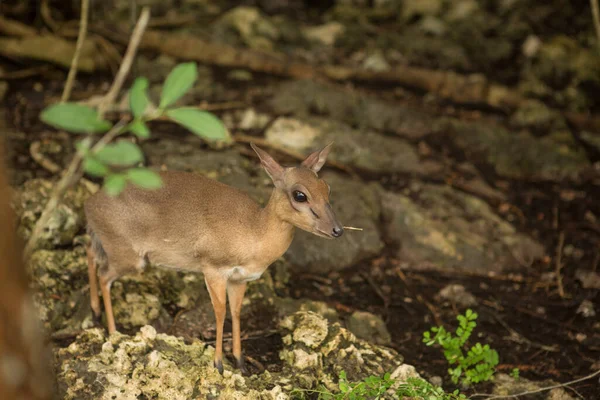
x=240, y=274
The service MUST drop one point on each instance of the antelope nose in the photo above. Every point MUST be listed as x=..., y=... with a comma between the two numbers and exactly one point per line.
x=337, y=232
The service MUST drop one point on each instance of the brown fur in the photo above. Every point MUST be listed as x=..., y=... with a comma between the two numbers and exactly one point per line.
x=197, y=224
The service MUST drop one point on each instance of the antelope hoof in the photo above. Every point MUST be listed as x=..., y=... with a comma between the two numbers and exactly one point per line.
x=219, y=366
x=241, y=365
x=96, y=318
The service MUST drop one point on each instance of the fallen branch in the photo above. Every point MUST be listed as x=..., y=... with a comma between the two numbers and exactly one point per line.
x=24, y=73
x=36, y=48
x=10, y=27
x=80, y=39
x=544, y=389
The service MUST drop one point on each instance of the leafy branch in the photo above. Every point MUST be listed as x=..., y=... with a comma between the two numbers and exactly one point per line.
x=120, y=162
x=478, y=365
x=376, y=387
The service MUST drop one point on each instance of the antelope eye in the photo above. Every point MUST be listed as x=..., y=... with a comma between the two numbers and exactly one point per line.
x=299, y=196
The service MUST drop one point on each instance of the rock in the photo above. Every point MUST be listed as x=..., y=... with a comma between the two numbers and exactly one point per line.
x=150, y=366
x=517, y=155
x=376, y=62
x=592, y=139
x=325, y=34
x=457, y=294
x=433, y=26
x=418, y=8
x=440, y=227
x=315, y=351
x=355, y=204
x=249, y=119
x=563, y=71
x=368, y=150
x=534, y=114
x=66, y=220
x=369, y=327
x=531, y=46
x=293, y=134
x=505, y=385
x=588, y=279
x=247, y=25
x=287, y=306
x=462, y=10
x=240, y=75
x=156, y=365
x=227, y=166
x=586, y=308
x=57, y=277
x=364, y=112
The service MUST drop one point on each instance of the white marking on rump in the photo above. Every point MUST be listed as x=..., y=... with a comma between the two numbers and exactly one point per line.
x=239, y=274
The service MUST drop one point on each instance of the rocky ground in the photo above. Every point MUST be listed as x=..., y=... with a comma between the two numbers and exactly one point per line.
x=461, y=206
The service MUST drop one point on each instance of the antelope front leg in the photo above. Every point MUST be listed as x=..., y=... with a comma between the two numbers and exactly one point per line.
x=217, y=288
x=236, y=292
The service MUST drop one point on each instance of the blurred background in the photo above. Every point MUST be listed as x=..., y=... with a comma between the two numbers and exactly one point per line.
x=466, y=147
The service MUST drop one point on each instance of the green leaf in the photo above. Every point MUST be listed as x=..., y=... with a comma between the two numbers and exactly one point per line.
x=179, y=81
x=114, y=184
x=138, y=97
x=201, y=123
x=95, y=167
x=344, y=388
x=121, y=153
x=145, y=178
x=139, y=129
x=75, y=118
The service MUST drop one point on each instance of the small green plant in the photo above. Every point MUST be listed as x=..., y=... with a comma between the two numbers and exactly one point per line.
x=375, y=387
x=478, y=365
x=118, y=162
x=372, y=387
x=515, y=373
x=417, y=388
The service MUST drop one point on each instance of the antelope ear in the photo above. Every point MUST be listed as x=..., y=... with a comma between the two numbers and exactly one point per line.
x=273, y=168
x=316, y=160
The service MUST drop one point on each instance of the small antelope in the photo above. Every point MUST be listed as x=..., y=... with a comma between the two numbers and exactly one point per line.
x=193, y=223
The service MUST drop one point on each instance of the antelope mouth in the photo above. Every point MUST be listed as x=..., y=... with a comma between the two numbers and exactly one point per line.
x=321, y=233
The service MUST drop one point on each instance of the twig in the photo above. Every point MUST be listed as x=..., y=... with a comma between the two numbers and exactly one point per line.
x=72, y=174
x=377, y=290
x=42, y=160
x=419, y=298
x=544, y=389
x=256, y=363
x=136, y=38
x=80, y=40
x=47, y=16
x=561, y=242
x=518, y=338
x=596, y=15
x=351, y=228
